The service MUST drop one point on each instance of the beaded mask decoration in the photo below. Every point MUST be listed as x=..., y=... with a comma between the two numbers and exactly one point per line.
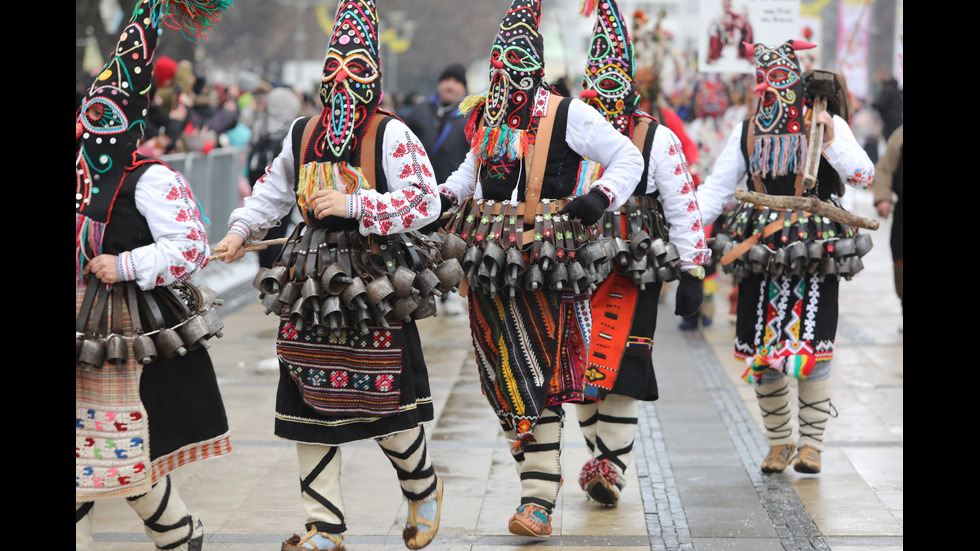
x=350, y=90
x=109, y=124
x=780, y=131
x=516, y=75
x=608, y=84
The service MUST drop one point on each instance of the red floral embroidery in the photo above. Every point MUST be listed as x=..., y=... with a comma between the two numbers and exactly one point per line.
x=407, y=219
x=672, y=150
x=407, y=171
x=692, y=206
x=182, y=215
x=368, y=222
x=191, y=255
x=174, y=194
x=678, y=170
x=700, y=244
x=423, y=208
x=338, y=378
x=160, y=281
x=425, y=170
x=688, y=187
x=700, y=259
x=177, y=271
x=697, y=225
x=409, y=195
x=289, y=331
x=195, y=235
x=382, y=339
x=385, y=226
x=397, y=203
x=384, y=382
x=400, y=151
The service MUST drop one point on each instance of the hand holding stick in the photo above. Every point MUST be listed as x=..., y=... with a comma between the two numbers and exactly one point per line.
x=219, y=252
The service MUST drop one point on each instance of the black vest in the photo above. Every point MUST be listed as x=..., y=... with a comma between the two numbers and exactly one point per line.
x=560, y=174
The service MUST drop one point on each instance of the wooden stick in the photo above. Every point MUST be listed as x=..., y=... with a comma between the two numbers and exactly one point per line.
x=809, y=204
x=815, y=146
x=253, y=246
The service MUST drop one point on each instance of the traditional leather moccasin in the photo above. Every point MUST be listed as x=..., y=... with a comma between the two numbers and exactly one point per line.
x=314, y=541
x=425, y=514
x=531, y=520
x=778, y=458
x=807, y=461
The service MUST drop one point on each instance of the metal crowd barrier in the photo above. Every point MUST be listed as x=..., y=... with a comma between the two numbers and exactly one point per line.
x=214, y=179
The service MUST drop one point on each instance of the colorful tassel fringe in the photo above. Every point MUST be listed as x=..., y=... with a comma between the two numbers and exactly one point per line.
x=587, y=7
x=193, y=18
x=798, y=366
x=778, y=155
x=340, y=176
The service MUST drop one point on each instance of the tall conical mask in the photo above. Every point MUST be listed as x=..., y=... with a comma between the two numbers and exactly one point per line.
x=779, y=128
x=608, y=84
x=109, y=125
x=516, y=78
x=350, y=88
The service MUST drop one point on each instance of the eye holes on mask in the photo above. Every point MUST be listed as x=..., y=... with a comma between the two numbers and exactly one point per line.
x=95, y=112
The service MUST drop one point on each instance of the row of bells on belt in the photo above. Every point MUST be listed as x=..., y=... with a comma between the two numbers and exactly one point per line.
x=839, y=257
x=335, y=301
x=492, y=269
x=190, y=334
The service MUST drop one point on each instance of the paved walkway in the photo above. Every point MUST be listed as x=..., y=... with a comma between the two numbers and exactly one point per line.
x=696, y=485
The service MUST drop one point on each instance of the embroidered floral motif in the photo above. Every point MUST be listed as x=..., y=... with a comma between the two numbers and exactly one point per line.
x=384, y=382
x=289, y=331
x=362, y=381
x=382, y=339
x=338, y=378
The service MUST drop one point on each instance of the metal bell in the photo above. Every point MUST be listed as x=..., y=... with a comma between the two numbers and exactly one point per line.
x=814, y=253
x=169, y=343
x=452, y=247
x=845, y=247
x=195, y=333
x=623, y=253
x=404, y=306
x=548, y=256
x=115, y=350
x=92, y=352
x=144, y=350
x=359, y=320
x=533, y=278
x=379, y=289
x=450, y=273
x=298, y=313
x=426, y=309
x=402, y=281
x=214, y=323
x=353, y=295
x=863, y=244
x=272, y=304
x=334, y=280
x=274, y=280
x=640, y=243
x=289, y=293
x=427, y=282
x=330, y=314
x=577, y=277
x=759, y=258
x=471, y=263
x=259, y=277
x=494, y=258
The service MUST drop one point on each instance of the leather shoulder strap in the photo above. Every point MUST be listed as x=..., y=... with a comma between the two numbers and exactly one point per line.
x=643, y=134
x=371, y=151
x=538, y=153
